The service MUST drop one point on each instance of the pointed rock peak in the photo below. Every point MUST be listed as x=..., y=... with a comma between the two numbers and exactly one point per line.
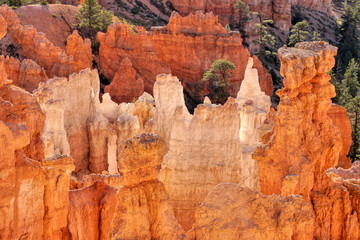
x=207, y=100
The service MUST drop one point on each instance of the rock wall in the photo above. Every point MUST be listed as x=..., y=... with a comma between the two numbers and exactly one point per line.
x=279, y=11
x=233, y=212
x=210, y=147
x=35, y=46
x=341, y=120
x=304, y=143
x=187, y=47
x=26, y=74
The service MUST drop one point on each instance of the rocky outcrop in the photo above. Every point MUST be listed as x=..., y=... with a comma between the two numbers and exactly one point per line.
x=279, y=11
x=312, y=142
x=68, y=103
x=319, y=5
x=304, y=143
x=80, y=50
x=341, y=120
x=24, y=109
x=143, y=210
x=125, y=86
x=210, y=147
x=26, y=74
x=187, y=47
x=233, y=212
x=35, y=46
x=3, y=28
x=91, y=210
x=57, y=21
x=77, y=124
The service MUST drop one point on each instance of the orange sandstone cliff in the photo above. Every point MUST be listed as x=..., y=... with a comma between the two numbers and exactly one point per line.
x=186, y=47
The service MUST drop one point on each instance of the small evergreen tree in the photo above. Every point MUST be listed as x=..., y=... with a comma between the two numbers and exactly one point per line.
x=349, y=97
x=264, y=39
x=299, y=33
x=92, y=18
x=218, y=77
x=316, y=36
x=244, y=15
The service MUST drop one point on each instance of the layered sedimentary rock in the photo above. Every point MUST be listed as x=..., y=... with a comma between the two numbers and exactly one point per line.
x=57, y=21
x=34, y=193
x=68, y=103
x=3, y=28
x=319, y=5
x=77, y=124
x=312, y=142
x=233, y=212
x=24, y=109
x=91, y=210
x=143, y=210
x=26, y=74
x=304, y=143
x=209, y=147
x=125, y=86
x=187, y=47
x=341, y=120
x=35, y=46
x=279, y=11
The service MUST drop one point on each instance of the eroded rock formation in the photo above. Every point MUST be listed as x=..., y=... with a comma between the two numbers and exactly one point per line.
x=233, y=212
x=210, y=147
x=341, y=120
x=187, y=47
x=125, y=86
x=35, y=46
x=26, y=74
x=279, y=11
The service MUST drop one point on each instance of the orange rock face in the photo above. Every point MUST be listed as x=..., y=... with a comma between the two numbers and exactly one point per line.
x=57, y=21
x=312, y=142
x=341, y=120
x=26, y=110
x=232, y=212
x=125, y=87
x=91, y=210
x=3, y=27
x=277, y=10
x=35, y=46
x=187, y=47
x=304, y=142
x=143, y=209
x=26, y=74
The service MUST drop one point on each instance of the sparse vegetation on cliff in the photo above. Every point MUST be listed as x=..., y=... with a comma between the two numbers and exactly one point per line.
x=218, y=77
x=93, y=18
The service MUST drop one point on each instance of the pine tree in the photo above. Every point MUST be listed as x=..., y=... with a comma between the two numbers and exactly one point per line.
x=316, y=36
x=349, y=97
x=93, y=18
x=350, y=31
x=218, y=77
x=244, y=15
x=299, y=33
x=264, y=39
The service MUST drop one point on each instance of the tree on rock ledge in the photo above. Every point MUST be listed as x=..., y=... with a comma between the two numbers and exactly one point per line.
x=92, y=18
x=218, y=77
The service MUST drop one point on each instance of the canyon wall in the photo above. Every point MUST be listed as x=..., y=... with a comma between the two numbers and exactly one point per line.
x=210, y=147
x=304, y=142
x=278, y=11
x=35, y=46
x=186, y=47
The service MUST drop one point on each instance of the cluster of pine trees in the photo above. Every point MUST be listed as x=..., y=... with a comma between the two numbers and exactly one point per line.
x=345, y=77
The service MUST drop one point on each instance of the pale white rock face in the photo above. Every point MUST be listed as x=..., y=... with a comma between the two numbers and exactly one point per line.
x=254, y=107
x=77, y=97
x=77, y=124
x=168, y=95
x=206, y=148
